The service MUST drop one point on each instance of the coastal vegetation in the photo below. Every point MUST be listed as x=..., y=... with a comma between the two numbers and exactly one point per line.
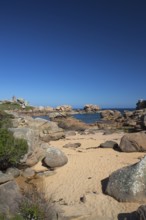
x=13, y=106
x=32, y=203
x=11, y=149
x=33, y=206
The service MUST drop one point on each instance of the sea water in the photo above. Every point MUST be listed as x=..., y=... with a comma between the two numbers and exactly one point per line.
x=94, y=117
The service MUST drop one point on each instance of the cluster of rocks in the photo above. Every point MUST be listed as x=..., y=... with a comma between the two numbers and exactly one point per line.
x=65, y=109
x=128, y=184
x=38, y=132
x=91, y=108
x=134, y=120
x=141, y=104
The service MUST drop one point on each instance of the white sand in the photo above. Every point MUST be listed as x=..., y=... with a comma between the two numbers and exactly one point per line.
x=82, y=176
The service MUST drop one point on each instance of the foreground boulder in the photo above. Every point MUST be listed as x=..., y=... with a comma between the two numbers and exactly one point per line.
x=10, y=197
x=5, y=177
x=129, y=183
x=134, y=142
x=54, y=158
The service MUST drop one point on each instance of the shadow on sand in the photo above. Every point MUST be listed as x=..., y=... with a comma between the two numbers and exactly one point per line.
x=104, y=183
x=128, y=216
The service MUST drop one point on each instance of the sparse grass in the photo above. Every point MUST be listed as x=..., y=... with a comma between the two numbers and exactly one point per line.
x=35, y=205
x=9, y=106
x=13, y=106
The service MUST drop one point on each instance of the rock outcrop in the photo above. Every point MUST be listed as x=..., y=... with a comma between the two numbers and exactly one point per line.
x=141, y=104
x=129, y=183
x=64, y=108
x=110, y=114
x=10, y=196
x=35, y=132
x=70, y=123
x=91, y=108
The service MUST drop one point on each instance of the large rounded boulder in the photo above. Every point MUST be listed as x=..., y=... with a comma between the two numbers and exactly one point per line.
x=129, y=183
x=54, y=158
x=134, y=142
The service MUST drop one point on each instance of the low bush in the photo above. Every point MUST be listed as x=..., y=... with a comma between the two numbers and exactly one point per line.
x=5, y=120
x=35, y=206
x=13, y=106
x=11, y=149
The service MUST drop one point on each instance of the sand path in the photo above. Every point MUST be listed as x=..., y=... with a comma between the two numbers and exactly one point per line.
x=81, y=179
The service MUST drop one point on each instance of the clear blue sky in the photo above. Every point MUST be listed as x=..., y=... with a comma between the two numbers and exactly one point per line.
x=75, y=52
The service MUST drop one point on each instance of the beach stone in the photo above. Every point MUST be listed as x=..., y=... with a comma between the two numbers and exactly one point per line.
x=32, y=160
x=72, y=145
x=5, y=177
x=45, y=145
x=28, y=173
x=54, y=158
x=10, y=196
x=133, y=142
x=53, y=136
x=109, y=144
x=129, y=183
x=70, y=133
x=13, y=171
x=45, y=173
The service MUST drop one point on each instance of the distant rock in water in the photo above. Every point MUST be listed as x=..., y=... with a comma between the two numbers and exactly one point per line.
x=91, y=108
x=64, y=108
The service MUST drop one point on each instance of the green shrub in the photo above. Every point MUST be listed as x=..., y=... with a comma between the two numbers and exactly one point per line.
x=5, y=119
x=13, y=106
x=11, y=149
x=31, y=211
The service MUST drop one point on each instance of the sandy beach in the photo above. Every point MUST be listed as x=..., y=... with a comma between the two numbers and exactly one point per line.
x=77, y=188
